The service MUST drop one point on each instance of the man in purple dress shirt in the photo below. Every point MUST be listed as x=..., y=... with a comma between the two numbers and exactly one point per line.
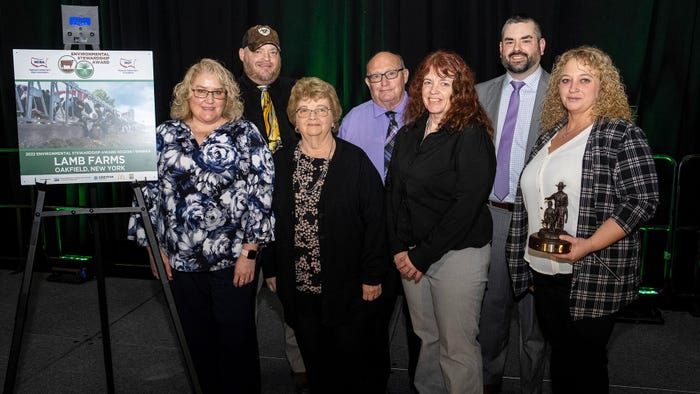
x=369, y=126
x=366, y=125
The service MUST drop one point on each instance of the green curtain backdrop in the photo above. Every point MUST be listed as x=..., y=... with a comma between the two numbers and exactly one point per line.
x=656, y=45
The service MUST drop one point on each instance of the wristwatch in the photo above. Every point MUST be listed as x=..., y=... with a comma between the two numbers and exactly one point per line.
x=249, y=254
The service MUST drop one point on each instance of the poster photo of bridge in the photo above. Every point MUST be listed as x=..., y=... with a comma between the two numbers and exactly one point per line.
x=85, y=116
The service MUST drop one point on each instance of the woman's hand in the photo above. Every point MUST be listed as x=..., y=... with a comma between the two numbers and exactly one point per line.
x=608, y=233
x=244, y=272
x=406, y=268
x=579, y=248
x=371, y=293
x=166, y=264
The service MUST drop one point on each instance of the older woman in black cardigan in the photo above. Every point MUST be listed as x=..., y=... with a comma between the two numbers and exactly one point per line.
x=330, y=250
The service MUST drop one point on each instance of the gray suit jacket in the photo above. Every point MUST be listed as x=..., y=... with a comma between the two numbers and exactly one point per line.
x=490, y=96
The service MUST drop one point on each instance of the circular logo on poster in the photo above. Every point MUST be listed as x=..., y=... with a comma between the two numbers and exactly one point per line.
x=66, y=64
x=84, y=69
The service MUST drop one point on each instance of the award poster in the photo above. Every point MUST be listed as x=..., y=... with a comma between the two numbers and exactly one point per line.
x=85, y=116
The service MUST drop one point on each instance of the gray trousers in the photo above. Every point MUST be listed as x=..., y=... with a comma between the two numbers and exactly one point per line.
x=444, y=307
x=496, y=315
x=291, y=348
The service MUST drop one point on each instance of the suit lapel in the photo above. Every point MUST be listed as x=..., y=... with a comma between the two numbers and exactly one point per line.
x=494, y=99
x=537, y=112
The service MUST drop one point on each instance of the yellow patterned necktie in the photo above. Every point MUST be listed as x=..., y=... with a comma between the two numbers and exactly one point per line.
x=272, y=128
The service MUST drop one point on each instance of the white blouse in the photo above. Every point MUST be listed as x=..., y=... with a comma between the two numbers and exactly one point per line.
x=539, y=181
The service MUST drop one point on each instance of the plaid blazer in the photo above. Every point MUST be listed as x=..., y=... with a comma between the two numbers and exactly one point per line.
x=618, y=181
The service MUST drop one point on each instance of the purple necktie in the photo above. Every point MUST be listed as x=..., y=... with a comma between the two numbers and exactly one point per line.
x=389, y=141
x=501, y=186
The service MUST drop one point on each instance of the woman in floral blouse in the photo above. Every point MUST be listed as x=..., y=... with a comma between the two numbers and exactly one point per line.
x=211, y=209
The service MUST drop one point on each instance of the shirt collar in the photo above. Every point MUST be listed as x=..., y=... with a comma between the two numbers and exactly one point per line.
x=530, y=82
x=380, y=111
x=249, y=82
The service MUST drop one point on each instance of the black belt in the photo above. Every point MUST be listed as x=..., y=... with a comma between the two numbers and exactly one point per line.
x=508, y=206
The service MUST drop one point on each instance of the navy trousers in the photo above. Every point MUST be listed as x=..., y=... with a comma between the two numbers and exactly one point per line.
x=219, y=324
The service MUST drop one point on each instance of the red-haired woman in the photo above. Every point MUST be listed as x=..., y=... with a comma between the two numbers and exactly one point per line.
x=439, y=180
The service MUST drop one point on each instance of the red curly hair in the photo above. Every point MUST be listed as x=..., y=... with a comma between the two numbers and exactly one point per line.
x=464, y=103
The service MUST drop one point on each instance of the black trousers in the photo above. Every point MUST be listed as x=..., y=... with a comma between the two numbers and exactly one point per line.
x=379, y=358
x=334, y=356
x=377, y=343
x=218, y=320
x=579, y=360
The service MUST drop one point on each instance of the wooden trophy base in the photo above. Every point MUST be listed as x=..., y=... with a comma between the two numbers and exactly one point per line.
x=548, y=241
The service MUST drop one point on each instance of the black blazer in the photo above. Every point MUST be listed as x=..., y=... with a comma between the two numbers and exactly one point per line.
x=352, y=233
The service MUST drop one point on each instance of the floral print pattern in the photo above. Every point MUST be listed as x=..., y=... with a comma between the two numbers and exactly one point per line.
x=209, y=198
x=308, y=178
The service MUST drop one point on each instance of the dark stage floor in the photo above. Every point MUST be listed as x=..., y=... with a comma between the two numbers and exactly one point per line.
x=62, y=347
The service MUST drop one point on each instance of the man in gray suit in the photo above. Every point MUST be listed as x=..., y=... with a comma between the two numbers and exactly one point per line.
x=513, y=100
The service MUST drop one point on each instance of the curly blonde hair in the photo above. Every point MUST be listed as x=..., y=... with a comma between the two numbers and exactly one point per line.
x=314, y=88
x=612, y=100
x=182, y=92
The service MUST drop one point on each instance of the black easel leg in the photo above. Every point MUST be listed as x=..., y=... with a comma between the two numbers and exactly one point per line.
x=167, y=292
x=695, y=303
x=20, y=244
x=102, y=294
x=23, y=300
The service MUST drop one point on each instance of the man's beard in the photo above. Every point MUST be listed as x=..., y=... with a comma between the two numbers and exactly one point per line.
x=266, y=78
x=517, y=69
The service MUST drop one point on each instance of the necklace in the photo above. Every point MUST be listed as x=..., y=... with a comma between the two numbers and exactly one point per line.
x=204, y=131
x=200, y=135
x=330, y=149
x=429, y=127
x=303, y=174
x=569, y=132
x=563, y=136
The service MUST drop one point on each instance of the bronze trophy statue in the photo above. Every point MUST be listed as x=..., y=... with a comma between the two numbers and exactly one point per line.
x=547, y=238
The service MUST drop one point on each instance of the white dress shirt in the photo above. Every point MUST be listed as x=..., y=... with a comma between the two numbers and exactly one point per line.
x=539, y=181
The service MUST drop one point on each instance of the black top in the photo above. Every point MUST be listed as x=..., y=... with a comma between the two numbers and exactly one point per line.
x=351, y=232
x=279, y=93
x=437, y=190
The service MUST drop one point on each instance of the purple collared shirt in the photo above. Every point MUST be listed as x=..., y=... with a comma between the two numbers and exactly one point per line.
x=366, y=126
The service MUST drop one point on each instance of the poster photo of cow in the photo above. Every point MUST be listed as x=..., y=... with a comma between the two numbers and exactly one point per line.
x=85, y=116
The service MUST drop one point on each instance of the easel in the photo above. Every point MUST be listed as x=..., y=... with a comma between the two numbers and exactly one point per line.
x=22, y=302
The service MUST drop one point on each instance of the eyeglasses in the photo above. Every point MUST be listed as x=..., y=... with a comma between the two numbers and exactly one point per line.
x=391, y=74
x=218, y=94
x=320, y=111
